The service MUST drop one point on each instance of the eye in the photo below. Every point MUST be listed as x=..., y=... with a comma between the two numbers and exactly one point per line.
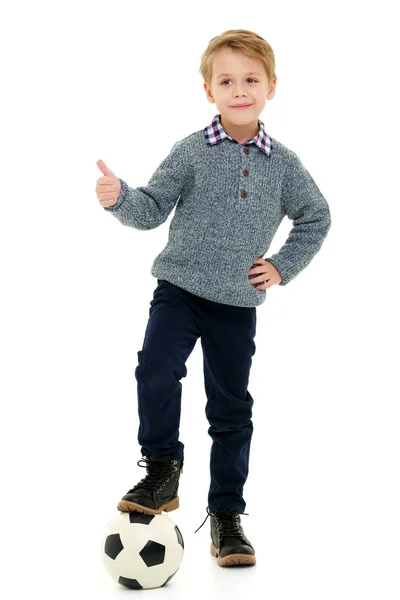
x=249, y=78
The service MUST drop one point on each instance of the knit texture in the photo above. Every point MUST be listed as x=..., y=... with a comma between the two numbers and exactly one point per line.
x=230, y=199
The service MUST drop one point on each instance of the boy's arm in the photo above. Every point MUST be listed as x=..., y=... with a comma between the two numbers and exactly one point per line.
x=148, y=206
x=307, y=207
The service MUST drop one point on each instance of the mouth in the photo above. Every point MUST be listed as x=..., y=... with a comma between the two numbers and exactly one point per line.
x=241, y=106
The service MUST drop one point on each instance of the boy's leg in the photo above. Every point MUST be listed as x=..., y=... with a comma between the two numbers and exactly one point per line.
x=228, y=346
x=170, y=337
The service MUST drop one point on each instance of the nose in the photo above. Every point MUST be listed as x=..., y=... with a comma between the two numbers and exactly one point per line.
x=238, y=92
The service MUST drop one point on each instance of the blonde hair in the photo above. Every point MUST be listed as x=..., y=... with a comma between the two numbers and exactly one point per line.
x=239, y=40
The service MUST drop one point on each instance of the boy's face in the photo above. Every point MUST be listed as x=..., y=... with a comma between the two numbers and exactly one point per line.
x=239, y=87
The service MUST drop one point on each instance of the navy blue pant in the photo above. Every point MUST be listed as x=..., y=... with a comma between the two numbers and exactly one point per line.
x=177, y=318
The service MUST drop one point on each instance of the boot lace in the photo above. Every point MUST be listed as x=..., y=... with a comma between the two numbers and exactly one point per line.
x=227, y=521
x=158, y=474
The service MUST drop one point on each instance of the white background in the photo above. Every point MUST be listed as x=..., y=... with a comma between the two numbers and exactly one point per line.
x=119, y=81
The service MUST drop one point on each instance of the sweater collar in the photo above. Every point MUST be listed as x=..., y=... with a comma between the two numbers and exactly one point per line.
x=215, y=133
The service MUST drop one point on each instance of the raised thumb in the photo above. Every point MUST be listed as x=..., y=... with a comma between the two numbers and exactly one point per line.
x=104, y=169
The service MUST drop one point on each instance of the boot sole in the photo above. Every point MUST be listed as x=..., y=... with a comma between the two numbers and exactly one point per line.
x=126, y=506
x=232, y=559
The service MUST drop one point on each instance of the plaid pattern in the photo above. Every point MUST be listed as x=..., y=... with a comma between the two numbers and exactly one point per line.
x=215, y=133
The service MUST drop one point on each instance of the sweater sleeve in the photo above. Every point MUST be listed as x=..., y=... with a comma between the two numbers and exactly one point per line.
x=148, y=206
x=304, y=204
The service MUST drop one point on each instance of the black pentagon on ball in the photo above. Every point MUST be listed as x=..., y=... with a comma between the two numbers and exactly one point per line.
x=133, y=584
x=179, y=536
x=153, y=553
x=142, y=518
x=113, y=545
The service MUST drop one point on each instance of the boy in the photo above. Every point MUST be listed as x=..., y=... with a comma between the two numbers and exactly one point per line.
x=234, y=185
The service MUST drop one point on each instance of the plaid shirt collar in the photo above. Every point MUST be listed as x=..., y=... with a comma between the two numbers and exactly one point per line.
x=215, y=133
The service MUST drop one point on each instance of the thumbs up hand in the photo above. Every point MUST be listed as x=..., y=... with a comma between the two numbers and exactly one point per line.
x=108, y=186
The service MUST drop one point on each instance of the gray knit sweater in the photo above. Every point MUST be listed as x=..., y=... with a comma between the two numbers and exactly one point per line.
x=230, y=199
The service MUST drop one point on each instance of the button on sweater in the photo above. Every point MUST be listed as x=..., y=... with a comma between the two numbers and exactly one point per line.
x=229, y=201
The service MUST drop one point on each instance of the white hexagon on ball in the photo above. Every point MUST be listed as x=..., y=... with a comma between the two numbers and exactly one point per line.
x=141, y=551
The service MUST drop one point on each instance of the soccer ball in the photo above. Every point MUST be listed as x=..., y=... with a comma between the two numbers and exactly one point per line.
x=141, y=551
